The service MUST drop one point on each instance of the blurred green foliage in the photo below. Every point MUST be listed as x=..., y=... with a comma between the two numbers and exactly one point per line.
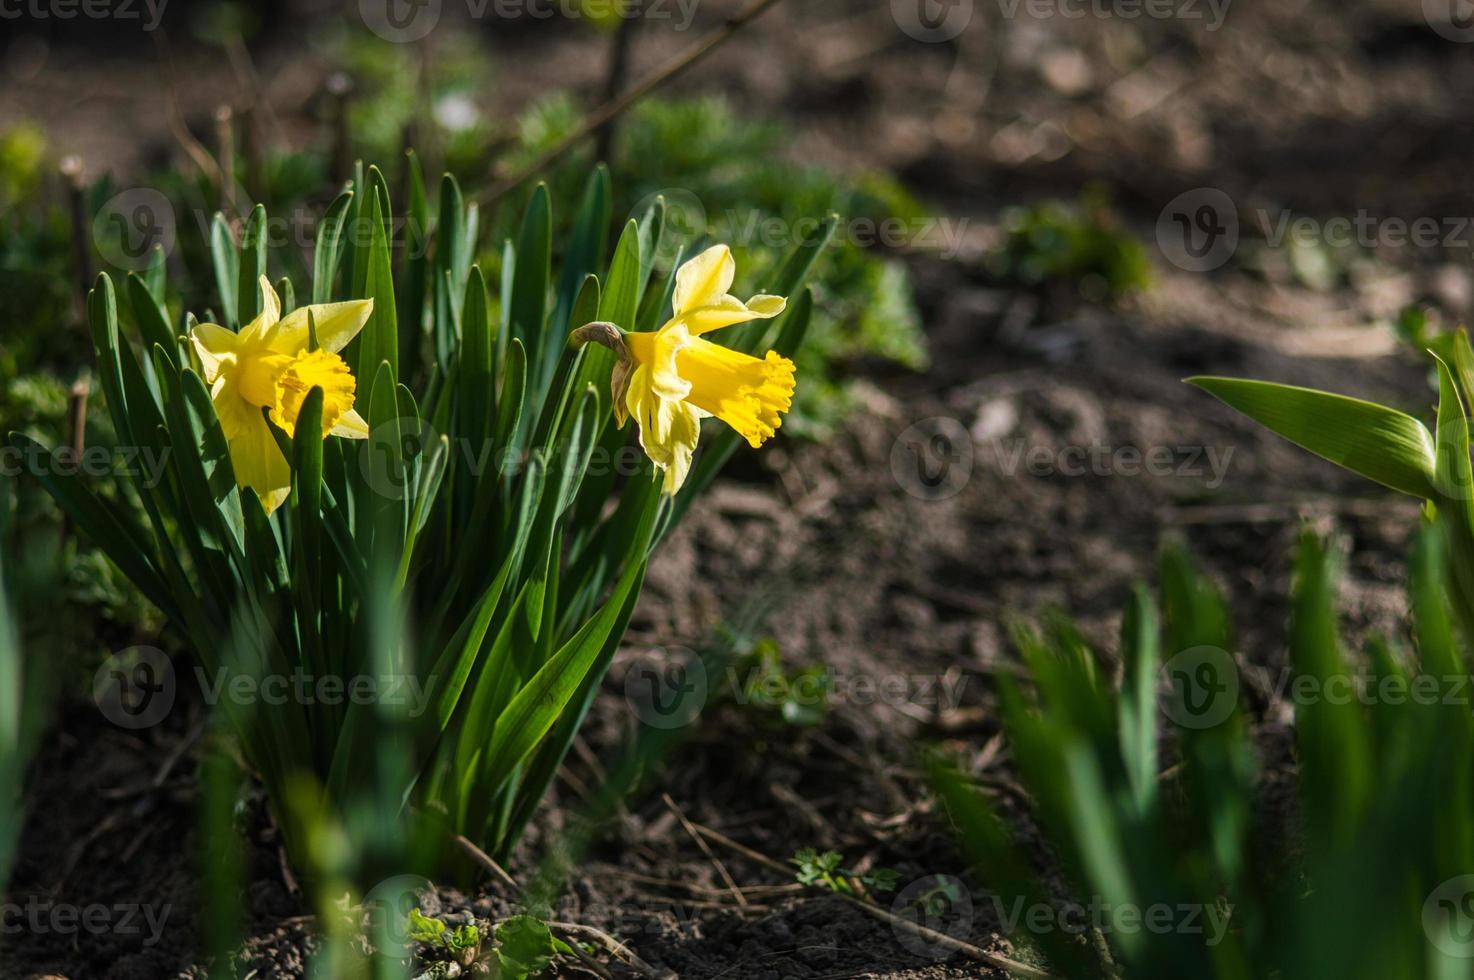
x=1081, y=244
x=760, y=681
x=42, y=350
x=22, y=151
x=1377, y=846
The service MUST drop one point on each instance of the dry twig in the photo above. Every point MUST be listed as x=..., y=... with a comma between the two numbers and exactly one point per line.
x=705, y=849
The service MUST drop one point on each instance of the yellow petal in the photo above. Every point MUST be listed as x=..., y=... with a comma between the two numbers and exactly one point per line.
x=729, y=310
x=704, y=280
x=215, y=346
x=351, y=426
x=270, y=303
x=254, y=455
x=657, y=351
x=750, y=394
x=337, y=324
x=270, y=314
x=669, y=428
x=765, y=307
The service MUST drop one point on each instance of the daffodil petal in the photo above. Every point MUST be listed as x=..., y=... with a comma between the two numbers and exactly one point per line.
x=669, y=428
x=337, y=324
x=270, y=313
x=729, y=311
x=704, y=280
x=725, y=312
x=270, y=303
x=657, y=350
x=351, y=425
x=214, y=344
x=748, y=393
x=765, y=307
x=254, y=455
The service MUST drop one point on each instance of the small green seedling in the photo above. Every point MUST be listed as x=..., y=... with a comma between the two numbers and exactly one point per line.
x=799, y=698
x=522, y=946
x=825, y=871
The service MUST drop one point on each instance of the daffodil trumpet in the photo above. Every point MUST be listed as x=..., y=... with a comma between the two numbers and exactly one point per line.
x=670, y=379
x=267, y=369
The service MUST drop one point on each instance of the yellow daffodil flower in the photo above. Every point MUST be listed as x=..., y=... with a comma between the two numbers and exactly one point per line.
x=670, y=379
x=268, y=365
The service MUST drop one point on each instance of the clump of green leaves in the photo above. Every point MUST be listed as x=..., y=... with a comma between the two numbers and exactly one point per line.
x=481, y=547
x=463, y=942
x=519, y=947
x=799, y=697
x=1082, y=244
x=1381, y=847
x=825, y=870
